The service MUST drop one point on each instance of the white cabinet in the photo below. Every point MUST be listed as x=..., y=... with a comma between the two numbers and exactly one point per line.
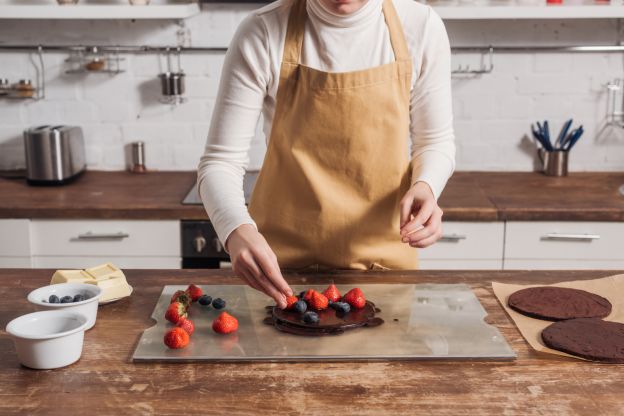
x=14, y=243
x=564, y=245
x=85, y=243
x=466, y=245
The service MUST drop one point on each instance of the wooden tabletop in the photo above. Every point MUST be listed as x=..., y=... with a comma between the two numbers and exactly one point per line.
x=469, y=196
x=106, y=382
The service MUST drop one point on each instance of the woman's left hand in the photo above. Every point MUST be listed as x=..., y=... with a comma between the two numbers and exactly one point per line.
x=421, y=217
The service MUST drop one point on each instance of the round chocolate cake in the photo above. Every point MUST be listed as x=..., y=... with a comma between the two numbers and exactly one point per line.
x=558, y=303
x=331, y=322
x=590, y=338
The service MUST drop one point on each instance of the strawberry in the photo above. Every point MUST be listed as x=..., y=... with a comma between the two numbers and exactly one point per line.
x=176, y=338
x=332, y=293
x=290, y=301
x=225, y=324
x=175, y=312
x=194, y=292
x=182, y=297
x=355, y=298
x=318, y=301
x=308, y=295
x=187, y=325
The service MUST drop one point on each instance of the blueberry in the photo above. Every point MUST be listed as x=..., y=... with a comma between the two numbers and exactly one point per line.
x=301, y=306
x=310, y=318
x=67, y=299
x=79, y=298
x=218, y=303
x=302, y=294
x=54, y=299
x=342, y=307
x=205, y=300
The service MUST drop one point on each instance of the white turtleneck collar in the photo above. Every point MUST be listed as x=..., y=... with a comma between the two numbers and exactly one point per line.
x=367, y=13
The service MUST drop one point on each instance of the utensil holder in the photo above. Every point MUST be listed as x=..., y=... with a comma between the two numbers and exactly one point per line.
x=555, y=163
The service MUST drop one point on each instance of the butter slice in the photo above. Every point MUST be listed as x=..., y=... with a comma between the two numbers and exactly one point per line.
x=107, y=276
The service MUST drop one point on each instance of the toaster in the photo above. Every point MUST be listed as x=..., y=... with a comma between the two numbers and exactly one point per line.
x=54, y=154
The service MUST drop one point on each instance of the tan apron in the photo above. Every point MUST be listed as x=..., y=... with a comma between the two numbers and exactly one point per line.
x=337, y=164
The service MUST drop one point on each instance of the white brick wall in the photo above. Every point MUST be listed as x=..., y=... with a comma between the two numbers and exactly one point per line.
x=492, y=112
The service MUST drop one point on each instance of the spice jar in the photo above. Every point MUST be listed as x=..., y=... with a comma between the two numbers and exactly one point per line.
x=5, y=88
x=24, y=89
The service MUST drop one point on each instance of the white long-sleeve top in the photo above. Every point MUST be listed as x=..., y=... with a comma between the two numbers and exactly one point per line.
x=332, y=43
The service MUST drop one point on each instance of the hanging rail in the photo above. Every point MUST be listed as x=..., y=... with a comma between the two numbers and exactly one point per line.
x=130, y=49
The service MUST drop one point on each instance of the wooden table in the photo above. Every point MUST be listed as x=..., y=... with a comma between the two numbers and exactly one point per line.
x=105, y=382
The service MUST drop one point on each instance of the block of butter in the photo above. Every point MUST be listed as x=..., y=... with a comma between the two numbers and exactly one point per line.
x=107, y=276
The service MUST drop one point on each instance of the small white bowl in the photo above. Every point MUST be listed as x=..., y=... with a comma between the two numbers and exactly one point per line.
x=87, y=307
x=48, y=339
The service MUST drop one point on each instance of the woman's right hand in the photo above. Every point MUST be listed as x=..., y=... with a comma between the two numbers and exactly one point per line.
x=254, y=261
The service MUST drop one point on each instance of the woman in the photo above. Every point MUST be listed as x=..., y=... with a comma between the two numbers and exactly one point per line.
x=342, y=85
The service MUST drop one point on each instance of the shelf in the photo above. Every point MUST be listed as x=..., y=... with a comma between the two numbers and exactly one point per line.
x=529, y=12
x=98, y=11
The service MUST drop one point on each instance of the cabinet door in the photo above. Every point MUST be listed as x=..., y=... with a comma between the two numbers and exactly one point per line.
x=69, y=262
x=14, y=238
x=15, y=262
x=100, y=238
x=564, y=245
x=466, y=245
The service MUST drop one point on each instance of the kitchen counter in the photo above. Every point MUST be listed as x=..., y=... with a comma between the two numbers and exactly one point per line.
x=469, y=196
x=105, y=382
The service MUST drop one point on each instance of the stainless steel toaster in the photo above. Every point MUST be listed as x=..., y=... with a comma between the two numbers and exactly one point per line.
x=54, y=154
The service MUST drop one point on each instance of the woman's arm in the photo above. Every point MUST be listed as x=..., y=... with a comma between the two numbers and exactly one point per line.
x=244, y=81
x=433, y=140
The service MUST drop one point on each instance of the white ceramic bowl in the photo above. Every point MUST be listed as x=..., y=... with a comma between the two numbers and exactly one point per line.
x=87, y=307
x=48, y=339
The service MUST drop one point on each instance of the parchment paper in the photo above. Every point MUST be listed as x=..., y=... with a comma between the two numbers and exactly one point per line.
x=611, y=288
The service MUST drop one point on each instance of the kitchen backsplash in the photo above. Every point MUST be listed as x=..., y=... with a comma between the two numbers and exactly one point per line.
x=493, y=112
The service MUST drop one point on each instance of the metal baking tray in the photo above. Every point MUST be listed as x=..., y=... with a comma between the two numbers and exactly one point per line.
x=422, y=321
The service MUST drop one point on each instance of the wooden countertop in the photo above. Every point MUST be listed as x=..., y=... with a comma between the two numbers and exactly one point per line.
x=105, y=382
x=469, y=196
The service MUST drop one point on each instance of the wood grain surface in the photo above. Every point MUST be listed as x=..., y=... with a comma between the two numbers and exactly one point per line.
x=105, y=382
x=469, y=196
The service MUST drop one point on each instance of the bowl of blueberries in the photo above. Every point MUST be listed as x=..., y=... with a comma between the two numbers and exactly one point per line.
x=80, y=298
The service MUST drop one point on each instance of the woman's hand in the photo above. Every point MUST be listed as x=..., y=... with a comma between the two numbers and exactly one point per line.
x=254, y=261
x=421, y=217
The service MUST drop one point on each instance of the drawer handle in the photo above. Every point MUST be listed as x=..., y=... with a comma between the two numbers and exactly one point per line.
x=575, y=237
x=453, y=237
x=92, y=236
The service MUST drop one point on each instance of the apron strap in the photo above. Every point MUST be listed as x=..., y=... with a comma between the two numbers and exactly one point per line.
x=395, y=28
x=295, y=31
x=296, y=28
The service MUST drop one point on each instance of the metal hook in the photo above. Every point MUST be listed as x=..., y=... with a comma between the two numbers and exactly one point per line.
x=486, y=68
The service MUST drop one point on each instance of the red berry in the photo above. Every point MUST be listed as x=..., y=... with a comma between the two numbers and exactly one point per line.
x=187, y=325
x=290, y=301
x=176, y=338
x=175, y=312
x=194, y=292
x=318, y=301
x=225, y=324
x=332, y=293
x=355, y=298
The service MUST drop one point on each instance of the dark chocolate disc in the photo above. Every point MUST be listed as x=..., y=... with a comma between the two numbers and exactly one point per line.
x=558, y=303
x=589, y=338
x=331, y=322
